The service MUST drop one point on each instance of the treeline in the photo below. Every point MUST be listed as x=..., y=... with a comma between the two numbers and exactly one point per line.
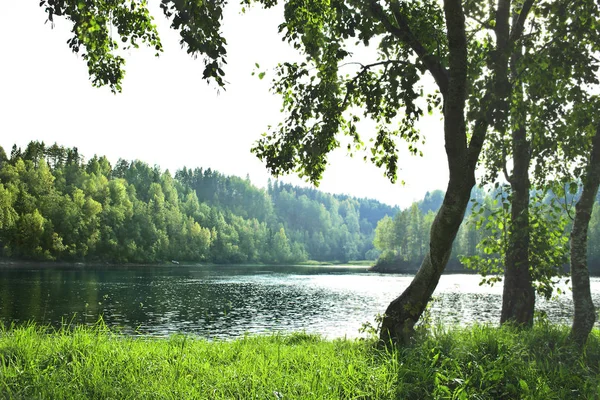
x=482, y=238
x=54, y=205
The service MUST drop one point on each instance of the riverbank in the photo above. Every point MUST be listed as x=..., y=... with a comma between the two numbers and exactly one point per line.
x=476, y=362
x=355, y=263
x=399, y=266
x=97, y=264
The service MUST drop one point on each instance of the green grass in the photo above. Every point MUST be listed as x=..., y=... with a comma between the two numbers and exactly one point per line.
x=468, y=363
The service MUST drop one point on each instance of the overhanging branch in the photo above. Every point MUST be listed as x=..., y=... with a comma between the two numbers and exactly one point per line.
x=519, y=23
x=405, y=35
x=364, y=69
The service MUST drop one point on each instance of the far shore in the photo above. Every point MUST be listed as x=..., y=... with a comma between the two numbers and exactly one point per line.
x=9, y=263
x=370, y=265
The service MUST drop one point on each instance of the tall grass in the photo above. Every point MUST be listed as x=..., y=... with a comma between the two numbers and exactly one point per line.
x=478, y=362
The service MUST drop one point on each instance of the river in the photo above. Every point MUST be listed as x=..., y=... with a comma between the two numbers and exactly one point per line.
x=229, y=301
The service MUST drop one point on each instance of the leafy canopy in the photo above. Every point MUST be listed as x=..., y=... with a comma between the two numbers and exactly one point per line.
x=326, y=94
x=103, y=28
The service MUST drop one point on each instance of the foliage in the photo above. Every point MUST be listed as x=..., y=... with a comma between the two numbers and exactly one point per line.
x=103, y=30
x=321, y=96
x=548, y=252
x=482, y=239
x=326, y=96
x=56, y=206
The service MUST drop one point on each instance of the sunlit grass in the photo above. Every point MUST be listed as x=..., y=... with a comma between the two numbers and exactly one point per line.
x=472, y=363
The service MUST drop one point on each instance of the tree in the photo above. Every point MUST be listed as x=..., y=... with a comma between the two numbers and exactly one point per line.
x=30, y=235
x=8, y=215
x=281, y=247
x=385, y=238
x=546, y=78
x=432, y=201
x=581, y=128
x=3, y=157
x=413, y=38
x=584, y=314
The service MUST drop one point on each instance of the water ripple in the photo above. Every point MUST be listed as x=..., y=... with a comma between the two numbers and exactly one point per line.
x=223, y=302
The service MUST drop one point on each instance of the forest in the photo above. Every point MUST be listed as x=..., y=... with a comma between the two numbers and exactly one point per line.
x=55, y=205
x=481, y=242
x=515, y=85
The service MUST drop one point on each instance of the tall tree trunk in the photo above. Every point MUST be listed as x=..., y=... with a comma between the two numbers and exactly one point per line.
x=518, y=297
x=584, y=314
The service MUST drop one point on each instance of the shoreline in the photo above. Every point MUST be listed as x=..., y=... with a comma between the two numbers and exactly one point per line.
x=98, y=264
x=371, y=266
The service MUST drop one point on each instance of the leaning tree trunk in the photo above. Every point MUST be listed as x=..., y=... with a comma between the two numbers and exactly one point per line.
x=584, y=314
x=403, y=313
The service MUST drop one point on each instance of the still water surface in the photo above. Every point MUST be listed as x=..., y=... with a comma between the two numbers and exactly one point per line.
x=228, y=301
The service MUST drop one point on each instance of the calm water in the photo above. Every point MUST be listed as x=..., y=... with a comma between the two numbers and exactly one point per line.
x=228, y=301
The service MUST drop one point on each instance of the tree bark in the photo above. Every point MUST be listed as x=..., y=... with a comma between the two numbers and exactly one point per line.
x=518, y=297
x=584, y=315
x=402, y=313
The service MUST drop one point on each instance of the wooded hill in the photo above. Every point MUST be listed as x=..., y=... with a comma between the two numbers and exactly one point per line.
x=403, y=238
x=54, y=205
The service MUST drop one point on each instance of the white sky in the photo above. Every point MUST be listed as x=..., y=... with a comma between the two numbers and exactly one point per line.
x=167, y=115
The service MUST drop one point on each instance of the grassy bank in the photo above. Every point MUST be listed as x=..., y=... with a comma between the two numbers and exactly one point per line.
x=471, y=363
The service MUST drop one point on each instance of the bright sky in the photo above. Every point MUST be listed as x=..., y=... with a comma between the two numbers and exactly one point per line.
x=167, y=115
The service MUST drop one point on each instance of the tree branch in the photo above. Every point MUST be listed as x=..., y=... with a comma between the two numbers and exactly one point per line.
x=364, y=69
x=495, y=98
x=519, y=23
x=567, y=207
x=403, y=32
x=480, y=130
x=504, y=170
x=500, y=89
x=484, y=24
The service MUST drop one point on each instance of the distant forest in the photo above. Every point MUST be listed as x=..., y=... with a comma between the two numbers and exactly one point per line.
x=480, y=245
x=54, y=205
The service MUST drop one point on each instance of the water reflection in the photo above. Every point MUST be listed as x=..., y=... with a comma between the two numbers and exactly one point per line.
x=229, y=301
